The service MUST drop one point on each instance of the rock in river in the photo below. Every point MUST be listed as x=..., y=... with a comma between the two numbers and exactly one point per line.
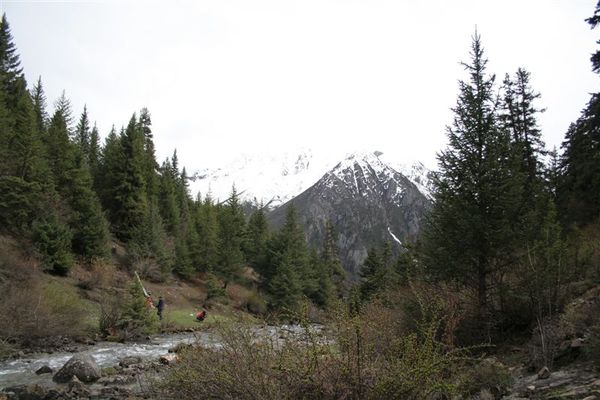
x=82, y=366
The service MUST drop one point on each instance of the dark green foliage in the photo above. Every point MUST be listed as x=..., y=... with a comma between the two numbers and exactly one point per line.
x=20, y=203
x=53, y=242
x=39, y=106
x=331, y=260
x=378, y=273
x=214, y=288
x=136, y=319
x=204, y=250
x=82, y=133
x=286, y=272
x=258, y=235
x=284, y=288
x=10, y=65
x=130, y=202
x=593, y=21
x=232, y=231
x=90, y=229
x=579, y=189
x=469, y=229
x=94, y=154
x=579, y=192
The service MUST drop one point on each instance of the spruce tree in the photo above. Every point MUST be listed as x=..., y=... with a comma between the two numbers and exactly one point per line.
x=82, y=133
x=130, y=205
x=468, y=235
x=39, y=106
x=94, y=154
x=232, y=231
x=331, y=259
x=258, y=235
x=579, y=190
x=150, y=164
x=205, y=251
x=10, y=64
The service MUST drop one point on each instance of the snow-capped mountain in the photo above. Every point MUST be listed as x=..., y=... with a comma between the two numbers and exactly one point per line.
x=367, y=201
x=274, y=179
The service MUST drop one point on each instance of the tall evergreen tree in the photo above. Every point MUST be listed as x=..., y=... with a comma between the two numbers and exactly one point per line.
x=205, y=251
x=258, y=235
x=579, y=191
x=10, y=64
x=331, y=259
x=232, y=231
x=94, y=153
x=39, y=106
x=82, y=133
x=468, y=235
x=130, y=192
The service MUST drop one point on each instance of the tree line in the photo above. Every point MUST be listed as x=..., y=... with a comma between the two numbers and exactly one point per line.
x=512, y=224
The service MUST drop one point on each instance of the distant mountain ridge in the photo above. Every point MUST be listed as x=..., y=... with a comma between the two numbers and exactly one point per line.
x=367, y=201
x=274, y=179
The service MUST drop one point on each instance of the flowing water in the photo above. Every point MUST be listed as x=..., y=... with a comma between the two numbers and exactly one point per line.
x=22, y=371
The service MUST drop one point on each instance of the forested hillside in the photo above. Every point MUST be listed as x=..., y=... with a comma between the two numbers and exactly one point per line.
x=499, y=281
x=72, y=198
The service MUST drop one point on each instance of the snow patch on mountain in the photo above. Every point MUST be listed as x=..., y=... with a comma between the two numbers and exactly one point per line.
x=394, y=236
x=273, y=179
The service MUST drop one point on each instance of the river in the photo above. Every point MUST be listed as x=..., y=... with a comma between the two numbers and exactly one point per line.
x=22, y=371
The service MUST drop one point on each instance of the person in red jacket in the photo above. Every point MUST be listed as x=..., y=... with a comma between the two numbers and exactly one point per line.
x=200, y=316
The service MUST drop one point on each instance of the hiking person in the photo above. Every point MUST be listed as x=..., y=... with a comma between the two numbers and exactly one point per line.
x=149, y=301
x=200, y=316
x=160, y=307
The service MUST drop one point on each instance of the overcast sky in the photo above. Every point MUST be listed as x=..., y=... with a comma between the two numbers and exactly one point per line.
x=224, y=77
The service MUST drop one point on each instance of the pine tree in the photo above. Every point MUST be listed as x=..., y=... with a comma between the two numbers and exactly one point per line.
x=10, y=64
x=111, y=158
x=63, y=106
x=579, y=191
x=378, y=274
x=39, y=107
x=232, y=231
x=130, y=206
x=205, y=251
x=258, y=235
x=53, y=242
x=331, y=259
x=82, y=133
x=150, y=164
x=94, y=154
x=168, y=202
x=468, y=235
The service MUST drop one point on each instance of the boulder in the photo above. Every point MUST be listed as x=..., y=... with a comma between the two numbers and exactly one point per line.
x=77, y=389
x=27, y=392
x=544, y=373
x=168, y=359
x=82, y=366
x=129, y=361
x=44, y=370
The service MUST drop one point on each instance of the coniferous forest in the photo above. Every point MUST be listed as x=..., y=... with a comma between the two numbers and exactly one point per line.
x=502, y=283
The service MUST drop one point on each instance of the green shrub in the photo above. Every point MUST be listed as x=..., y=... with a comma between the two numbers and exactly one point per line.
x=488, y=375
x=125, y=317
x=53, y=242
x=256, y=304
x=361, y=356
x=214, y=288
x=30, y=310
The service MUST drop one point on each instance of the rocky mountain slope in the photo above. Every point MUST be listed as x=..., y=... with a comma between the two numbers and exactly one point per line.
x=275, y=178
x=367, y=201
